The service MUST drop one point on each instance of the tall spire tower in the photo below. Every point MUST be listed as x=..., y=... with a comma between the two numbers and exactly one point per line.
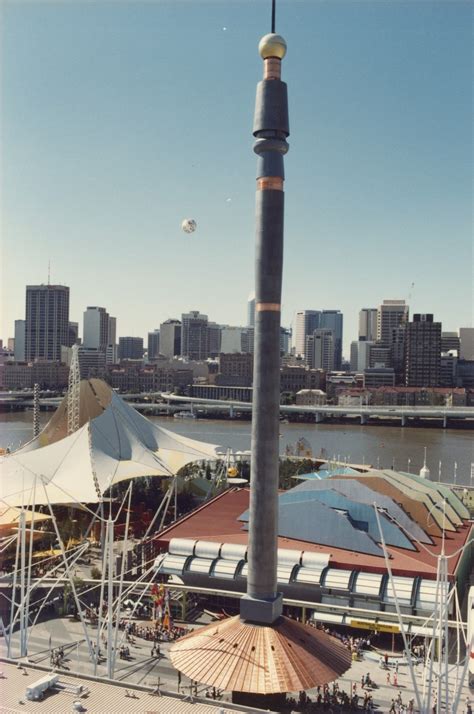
x=271, y=128
x=260, y=654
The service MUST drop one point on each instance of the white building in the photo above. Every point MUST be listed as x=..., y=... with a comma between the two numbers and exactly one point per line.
x=232, y=339
x=96, y=328
x=390, y=314
x=360, y=355
x=368, y=324
x=320, y=350
x=306, y=322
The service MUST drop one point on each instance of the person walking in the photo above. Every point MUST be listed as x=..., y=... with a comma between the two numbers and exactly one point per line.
x=388, y=677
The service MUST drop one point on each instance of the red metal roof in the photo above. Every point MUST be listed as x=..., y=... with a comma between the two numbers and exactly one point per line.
x=218, y=521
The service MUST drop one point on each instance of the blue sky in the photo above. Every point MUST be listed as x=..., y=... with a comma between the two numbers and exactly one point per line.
x=121, y=119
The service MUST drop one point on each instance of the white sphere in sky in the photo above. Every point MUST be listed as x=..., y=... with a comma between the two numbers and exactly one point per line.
x=189, y=225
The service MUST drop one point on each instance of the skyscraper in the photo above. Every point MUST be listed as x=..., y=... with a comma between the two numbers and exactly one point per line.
x=307, y=321
x=423, y=352
x=96, y=328
x=170, y=338
x=466, y=338
x=251, y=310
x=320, y=350
x=153, y=344
x=194, y=335
x=368, y=324
x=20, y=340
x=130, y=348
x=390, y=314
x=333, y=320
x=47, y=321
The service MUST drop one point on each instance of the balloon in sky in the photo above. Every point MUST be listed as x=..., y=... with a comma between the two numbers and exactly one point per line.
x=189, y=225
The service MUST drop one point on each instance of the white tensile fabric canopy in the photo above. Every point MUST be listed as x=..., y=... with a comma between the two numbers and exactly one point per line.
x=116, y=445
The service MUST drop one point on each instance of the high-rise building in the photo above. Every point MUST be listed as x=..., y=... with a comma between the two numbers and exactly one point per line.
x=91, y=362
x=214, y=337
x=333, y=320
x=231, y=339
x=423, y=352
x=73, y=334
x=20, y=340
x=170, y=338
x=47, y=321
x=285, y=339
x=251, y=310
x=390, y=314
x=368, y=324
x=95, y=333
x=130, y=348
x=466, y=337
x=306, y=322
x=450, y=342
x=360, y=355
x=320, y=350
x=194, y=335
x=153, y=344
x=112, y=331
x=397, y=352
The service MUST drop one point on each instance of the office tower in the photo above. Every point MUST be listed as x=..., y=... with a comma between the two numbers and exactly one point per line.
x=73, y=334
x=390, y=314
x=307, y=321
x=112, y=331
x=153, y=344
x=397, y=352
x=214, y=337
x=130, y=348
x=423, y=352
x=466, y=338
x=232, y=339
x=91, y=362
x=95, y=333
x=360, y=355
x=320, y=350
x=450, y=342
x=20, y=340
x=448, y=369
x=285, y=340
x=248, y=339
x=170, y=338
x=368, y=324
x=333, y=320
x=251, y=310
x=380, y=356
x=47, y=321
x=194, y=335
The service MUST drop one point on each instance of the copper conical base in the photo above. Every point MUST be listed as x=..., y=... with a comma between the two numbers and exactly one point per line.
x=262, y=659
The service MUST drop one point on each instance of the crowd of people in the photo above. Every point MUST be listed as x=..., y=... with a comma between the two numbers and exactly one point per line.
x=355, y=645
x=333, y=698
x=152, y=633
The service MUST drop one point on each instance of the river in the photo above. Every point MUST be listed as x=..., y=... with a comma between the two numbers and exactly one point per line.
x=376, y=445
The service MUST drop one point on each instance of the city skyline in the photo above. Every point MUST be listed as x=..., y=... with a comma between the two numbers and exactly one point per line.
x=347, y=339
x=379, y=187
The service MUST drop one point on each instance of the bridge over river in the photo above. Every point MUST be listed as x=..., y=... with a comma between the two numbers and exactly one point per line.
x=167, y=403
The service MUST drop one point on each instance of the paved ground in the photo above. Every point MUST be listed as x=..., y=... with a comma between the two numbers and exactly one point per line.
x=143, y=669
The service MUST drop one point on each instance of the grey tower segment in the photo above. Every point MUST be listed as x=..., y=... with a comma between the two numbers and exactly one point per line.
x=262, y=603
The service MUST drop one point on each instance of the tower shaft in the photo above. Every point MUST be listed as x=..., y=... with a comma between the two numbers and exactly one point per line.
x=262, y=603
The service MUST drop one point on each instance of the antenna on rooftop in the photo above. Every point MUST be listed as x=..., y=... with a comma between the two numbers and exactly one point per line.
x=273, y=16
x=49, y=272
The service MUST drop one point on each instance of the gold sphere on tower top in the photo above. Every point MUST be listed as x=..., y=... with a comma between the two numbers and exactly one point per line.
x=272, y=46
